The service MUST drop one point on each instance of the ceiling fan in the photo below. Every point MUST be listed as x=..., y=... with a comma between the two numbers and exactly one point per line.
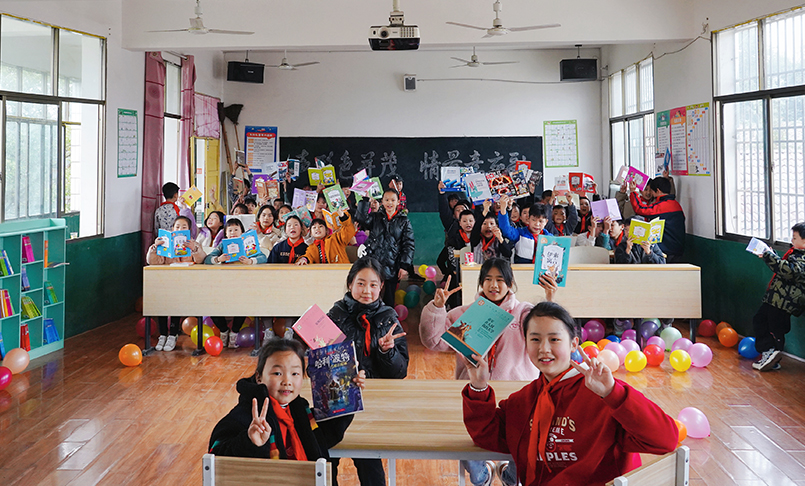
x=497, y=24
x=197, y=26
x=285, y=66
x=473, y=62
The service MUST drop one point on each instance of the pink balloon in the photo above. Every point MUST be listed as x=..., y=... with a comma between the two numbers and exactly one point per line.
x=656, y=340
x=207, y=320
x=695, y=421
x=629, y=334
x=402, y=311
x=583, y=334
x=682, y=343
x=609, y=358
x=700, y=355
x=630, y=345
x=5, y=377
x=430, y=272
x=595, y=330
x=617, y=349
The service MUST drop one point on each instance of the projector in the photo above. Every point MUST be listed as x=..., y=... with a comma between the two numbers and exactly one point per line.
x=395, y=36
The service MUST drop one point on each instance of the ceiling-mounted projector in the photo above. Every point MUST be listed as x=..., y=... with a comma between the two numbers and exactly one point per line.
x=396, y=36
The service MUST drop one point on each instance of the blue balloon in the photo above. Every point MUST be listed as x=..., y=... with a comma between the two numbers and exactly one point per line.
x=746, y=348
x=614, y=338
x=576, y=356
x=413, y=288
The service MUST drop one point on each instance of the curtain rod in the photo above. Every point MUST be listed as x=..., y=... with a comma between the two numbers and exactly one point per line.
x=177, y=54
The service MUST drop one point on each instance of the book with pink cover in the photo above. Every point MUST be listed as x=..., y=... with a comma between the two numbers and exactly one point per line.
x=628, y=174
x=606, y=207
x=317, y=330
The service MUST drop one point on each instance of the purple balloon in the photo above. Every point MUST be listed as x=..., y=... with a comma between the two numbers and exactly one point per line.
x=245, y=337
x=595, y=330
x=695, y=421
x=682, y=343
x=629, y=334
x=617, y=349
x=700, y=355
x=583, y=334
x=648, y=329
x=630, y=345
x=624, y=323
x=656, y=340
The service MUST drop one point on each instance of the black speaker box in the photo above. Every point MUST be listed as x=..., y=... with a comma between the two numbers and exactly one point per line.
x=579, y=69
x=245, y=72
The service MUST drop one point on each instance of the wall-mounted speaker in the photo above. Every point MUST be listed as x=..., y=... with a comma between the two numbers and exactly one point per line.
x=245, y=72
x=409, y=82
x=579, y=69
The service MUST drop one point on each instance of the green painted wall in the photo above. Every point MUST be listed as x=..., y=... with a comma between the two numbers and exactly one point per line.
x=103, y=281
x=733, y=284
x=429, y=237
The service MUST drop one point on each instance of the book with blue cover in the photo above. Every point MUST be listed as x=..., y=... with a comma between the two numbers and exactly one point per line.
x=246, y=245
x=172, y=243
x=51, y=333
x=477, y=329
x=553, y=258
x=331, y=370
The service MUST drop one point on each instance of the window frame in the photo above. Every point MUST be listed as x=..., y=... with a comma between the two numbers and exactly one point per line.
x=627, y=118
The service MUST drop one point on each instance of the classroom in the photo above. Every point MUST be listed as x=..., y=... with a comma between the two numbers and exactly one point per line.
x=94, y=97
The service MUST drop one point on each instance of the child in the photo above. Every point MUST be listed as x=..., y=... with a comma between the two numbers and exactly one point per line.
x=627, y=252
x=784, y=297
x=508, y=354
x=212, y=233
x=332, y=248
x=667, y=208
x=563, y=220
x=241, y=208
x=321, y=204
x=584, y=217
x=167, y=337
x=370, y=324
x=168, y=211
x=390, y=241
x=271, y=420
x=267, y=234
x=603, y=423
x=292, y=248
x=251, y=204
x=396, y=183
x=458, y=238
x=233, y=229
x=514, y=214
x=487, y=240
x=524, y=239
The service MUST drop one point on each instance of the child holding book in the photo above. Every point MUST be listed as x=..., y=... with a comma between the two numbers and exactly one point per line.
x=524, y=239
x=625, y=249
x=487, y=240
x=169, y=210
x=292, y=248
x=329, y=248
x=585, y=216
x=213, y=231
x=458, y=239
x=267, y=233
x=604, y=423
x=381, y=350
x=233, y=229
x=271, y=420
x=390, y=241
x=564, y=219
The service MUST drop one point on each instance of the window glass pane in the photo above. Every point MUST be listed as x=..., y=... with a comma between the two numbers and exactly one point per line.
x=784, y=48
x=25, y=52
x=636, y=143
x=630, y=89
x=788, y=160
x=170, y=164
x=649, y=144
x=647, y=85
x=173, y=89
x=737, y=60
x=615, y=95
x=82, y=132
x=80, y=65
x=618, y=147
x=744, y=169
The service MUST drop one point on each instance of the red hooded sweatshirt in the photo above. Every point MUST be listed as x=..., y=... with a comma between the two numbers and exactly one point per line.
x=592, y=440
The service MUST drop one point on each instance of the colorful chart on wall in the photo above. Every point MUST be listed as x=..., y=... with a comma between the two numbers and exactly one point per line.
x=684, y=133
x=126, y=143
x=261, y=147
x=679, y=159
x=698, y=141
x=561, y=143
x=663, y=140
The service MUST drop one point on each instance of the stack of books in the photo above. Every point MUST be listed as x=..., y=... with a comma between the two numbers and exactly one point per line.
x=5, y=264
x=5, y=304
x=29, y=308
x=51, y=333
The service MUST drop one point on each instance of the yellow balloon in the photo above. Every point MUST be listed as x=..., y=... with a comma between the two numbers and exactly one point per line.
x=206, y=332
x=588, y=343
x=399, y=297
x=421, y=269
x=680, y=360
x=610, y=359
x=635, y=361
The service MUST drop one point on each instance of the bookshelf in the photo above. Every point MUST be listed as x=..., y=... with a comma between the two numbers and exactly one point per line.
x=42, y=233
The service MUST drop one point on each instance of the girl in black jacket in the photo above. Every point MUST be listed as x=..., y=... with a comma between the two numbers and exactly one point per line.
x=390, y=242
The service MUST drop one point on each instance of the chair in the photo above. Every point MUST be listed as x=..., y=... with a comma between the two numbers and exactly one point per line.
x=672, y=469
x=240, y=471
x=588, y=254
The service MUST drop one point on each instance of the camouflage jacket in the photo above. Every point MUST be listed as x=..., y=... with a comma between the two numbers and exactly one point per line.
x=786, y=289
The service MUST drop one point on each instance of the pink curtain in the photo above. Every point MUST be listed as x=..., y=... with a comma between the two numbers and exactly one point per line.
x=207, y=123
x=188, y=115
x=153, y=133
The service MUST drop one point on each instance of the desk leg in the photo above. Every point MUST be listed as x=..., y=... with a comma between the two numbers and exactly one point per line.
x=461, y=474
x=148, y=348
x=392, y=472
x=694, y=324
x=199, y=337
x=258, y=336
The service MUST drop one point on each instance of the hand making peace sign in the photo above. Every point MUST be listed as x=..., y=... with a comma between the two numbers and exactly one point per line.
x=387, y=342
x=441, y=295
x=597, y=376
x=259, y=430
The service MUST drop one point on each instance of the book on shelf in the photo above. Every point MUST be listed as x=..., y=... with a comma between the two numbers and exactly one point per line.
x=650, y=231
x=553, y=258
x=46, y=254
x=172, y=243
x=57, y=264
x=5, y=264
x=51, y=334
x=25, y=337
x=316, y=329
x=2, y=346
x=27, y=250
x=26, y=283
x=29, y=308
x=5, y=303
x=477, y=329
x=332, y=369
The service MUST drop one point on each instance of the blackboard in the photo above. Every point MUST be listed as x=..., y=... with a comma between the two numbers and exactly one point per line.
x=417, y=160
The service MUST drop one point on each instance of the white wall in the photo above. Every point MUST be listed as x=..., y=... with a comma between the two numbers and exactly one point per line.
x=359, y=94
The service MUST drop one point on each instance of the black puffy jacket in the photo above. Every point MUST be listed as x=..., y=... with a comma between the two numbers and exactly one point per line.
x=391, y=241
x=348, y=315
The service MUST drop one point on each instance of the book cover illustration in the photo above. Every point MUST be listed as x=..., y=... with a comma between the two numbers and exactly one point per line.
x=606, y=207
x=581, y=183
x=630, y=174
x=363, y=187
x=451, y=178
x=500, y=183
x=316, y=329
x=561, y=186
x=315, y=176
x=271, y=170
x=375, y=191
x=553, y=258
x=282, y=170
x=259, y=186
x=335, y=198
x=520, y=180
x=302, y=198
x=251, y=244
x=172, y=243
x=650, y=231
x=233, y=249
x=328, y=175
x=331, y=370
x=332, y=220
x=757, y=247
x=477, y=329
x=191, y=196
x=27, y=250
x=272, y=190
x=477, y=188
x=302, y=213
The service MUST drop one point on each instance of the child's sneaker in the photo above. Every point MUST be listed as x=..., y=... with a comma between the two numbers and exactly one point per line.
x=225, y=338
x=170, y=344
x=288, y=333
x=776, y=367
x=268, y=334
x=500, y=469
x=161, y=343
x=767, y=360
x=233, y=340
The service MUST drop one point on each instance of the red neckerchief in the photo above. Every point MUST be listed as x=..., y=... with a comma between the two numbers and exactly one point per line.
x=620, y=238
x=322, y=254
x=785, y=257
x=487, y=244
x=392, y=216
x=175, y=207
x=561, y=228
x=541, y=425
x=583, y=224
x=291, y=440
x=535, y=235
x=261, y=230
x=464, y=236
x=292, y=255
x=367, y=326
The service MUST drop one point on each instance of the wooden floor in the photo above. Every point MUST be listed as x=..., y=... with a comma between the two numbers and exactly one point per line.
x=79, y=417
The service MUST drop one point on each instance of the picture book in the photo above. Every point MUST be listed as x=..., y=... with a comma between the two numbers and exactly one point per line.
x=331, y=370
x=361, y=175
x=259, y=186
x=191, y=196
x=561, y=185
x=5, y=303
x=5, y=264
x=26, y=283
x=172, y=243
x=282, y=170
x=233, y=249
x=500, y=183
x=293, y=168
x=302, y=198
x=50, y=294
x=247, y=220
x=272, y=190
x=51, y=333
x=553, y=258
x=520, y=182
x=757, y=247
x=477, y=188
x=245, y=245
x=29, y=308
x=523, y=165
x=271, y=170
x=650, y=231
x=363, y=187
x=25, y=337
x=335, y=198
x=451, y=178
x=376, y=192
x=319, y=163
x=315, y=176
x=251, y=243
x=477, y=329
x=302, y=213
x=316, y=329
x=581, y=183
x=27, y=250
x=328, y=175
x=332, y=220
x=606, y=207
x=629, y=174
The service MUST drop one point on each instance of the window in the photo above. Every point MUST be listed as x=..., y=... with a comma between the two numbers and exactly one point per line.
x=760, y=98
x=172, y=123
x=631, y=117
x=52, y=97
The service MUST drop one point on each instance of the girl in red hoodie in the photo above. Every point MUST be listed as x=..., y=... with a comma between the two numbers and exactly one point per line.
x=575, y=424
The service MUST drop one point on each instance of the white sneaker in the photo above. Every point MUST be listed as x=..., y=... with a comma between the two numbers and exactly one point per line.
x=268, y=334
x=288, y=333
x=161, y=343
x=233, y=340
x=767, y=360
x=170, y=344
x=225, y=337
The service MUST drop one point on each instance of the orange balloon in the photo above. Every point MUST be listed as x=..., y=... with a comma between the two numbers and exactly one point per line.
x=728, y=337
x=603, y=343
x=130, y=355
x=189, y=324
x=721, y=325
x=16, y=360
x=683, y=431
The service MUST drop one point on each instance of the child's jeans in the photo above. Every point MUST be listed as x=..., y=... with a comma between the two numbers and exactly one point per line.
x=220, y=323
x=478, y=473
x=770, y=325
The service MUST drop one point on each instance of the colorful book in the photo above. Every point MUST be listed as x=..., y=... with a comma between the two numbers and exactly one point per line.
x=581, y=183
x=315, y=176
x=50, y=294
x=630, y=174
x=520, y=180
x=477, y=329
x=500, y=184
x=5, y=263
x=650, y=231
x=27, y=250
x=606, y=207
x=25, y=337
x=191, y=196
x=757, y=247
x=523, y=165
x=477, y=188
x=335, y=198
x=246, y=245
x=46, y=254
x=332, y=220
x=293, y=167
x=51, y=334
x=282, y=170
x=302, y=198
x=332, y=369
x=328, y=175
x=363, y=187
x=317, y=330
x=172, y=243
x=451, y=178
x=259, y=186
x=272, y=189
x=2, y=347
x=302, y=213
x=553, y=258
x=29, y=308
x=5, y=303
x=361, y=175
x=561, y=185
x=26, y=284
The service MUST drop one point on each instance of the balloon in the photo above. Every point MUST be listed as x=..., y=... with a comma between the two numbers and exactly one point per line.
x=683, y=431
x=670, y=335
x=402, y=311
x=656, y=340
x=680, y=360
x=213, y=346
x=587, y=343
x=16, y=360
x=576, y=356
x=624, y=323
x=603, y=343
x=617, y=349
x=130, y=355
x=215, y=330
x=188, y=325
x=595, y=330
x=413, y=288
x=630, y=345
x=399, y=297
x=138, y=304
x=654, y=354
x=707, y=328
x=207, y=321
x=422, y=269
x=682, y=343
x=635, y=361
x=245, y=337
x=629, y=334
x=721, y=325
x=648, y=328
x=610, y=359
x=728, y=337
x=431, y=272
x=141, y=327
x=411, y=300
x=746, y=348
x=5, y=377
x=614, y=338
x=429, y=287
x=583, y=334
x=591, y=351
x=696, y=423
x=206, y=332
x=700, y=355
